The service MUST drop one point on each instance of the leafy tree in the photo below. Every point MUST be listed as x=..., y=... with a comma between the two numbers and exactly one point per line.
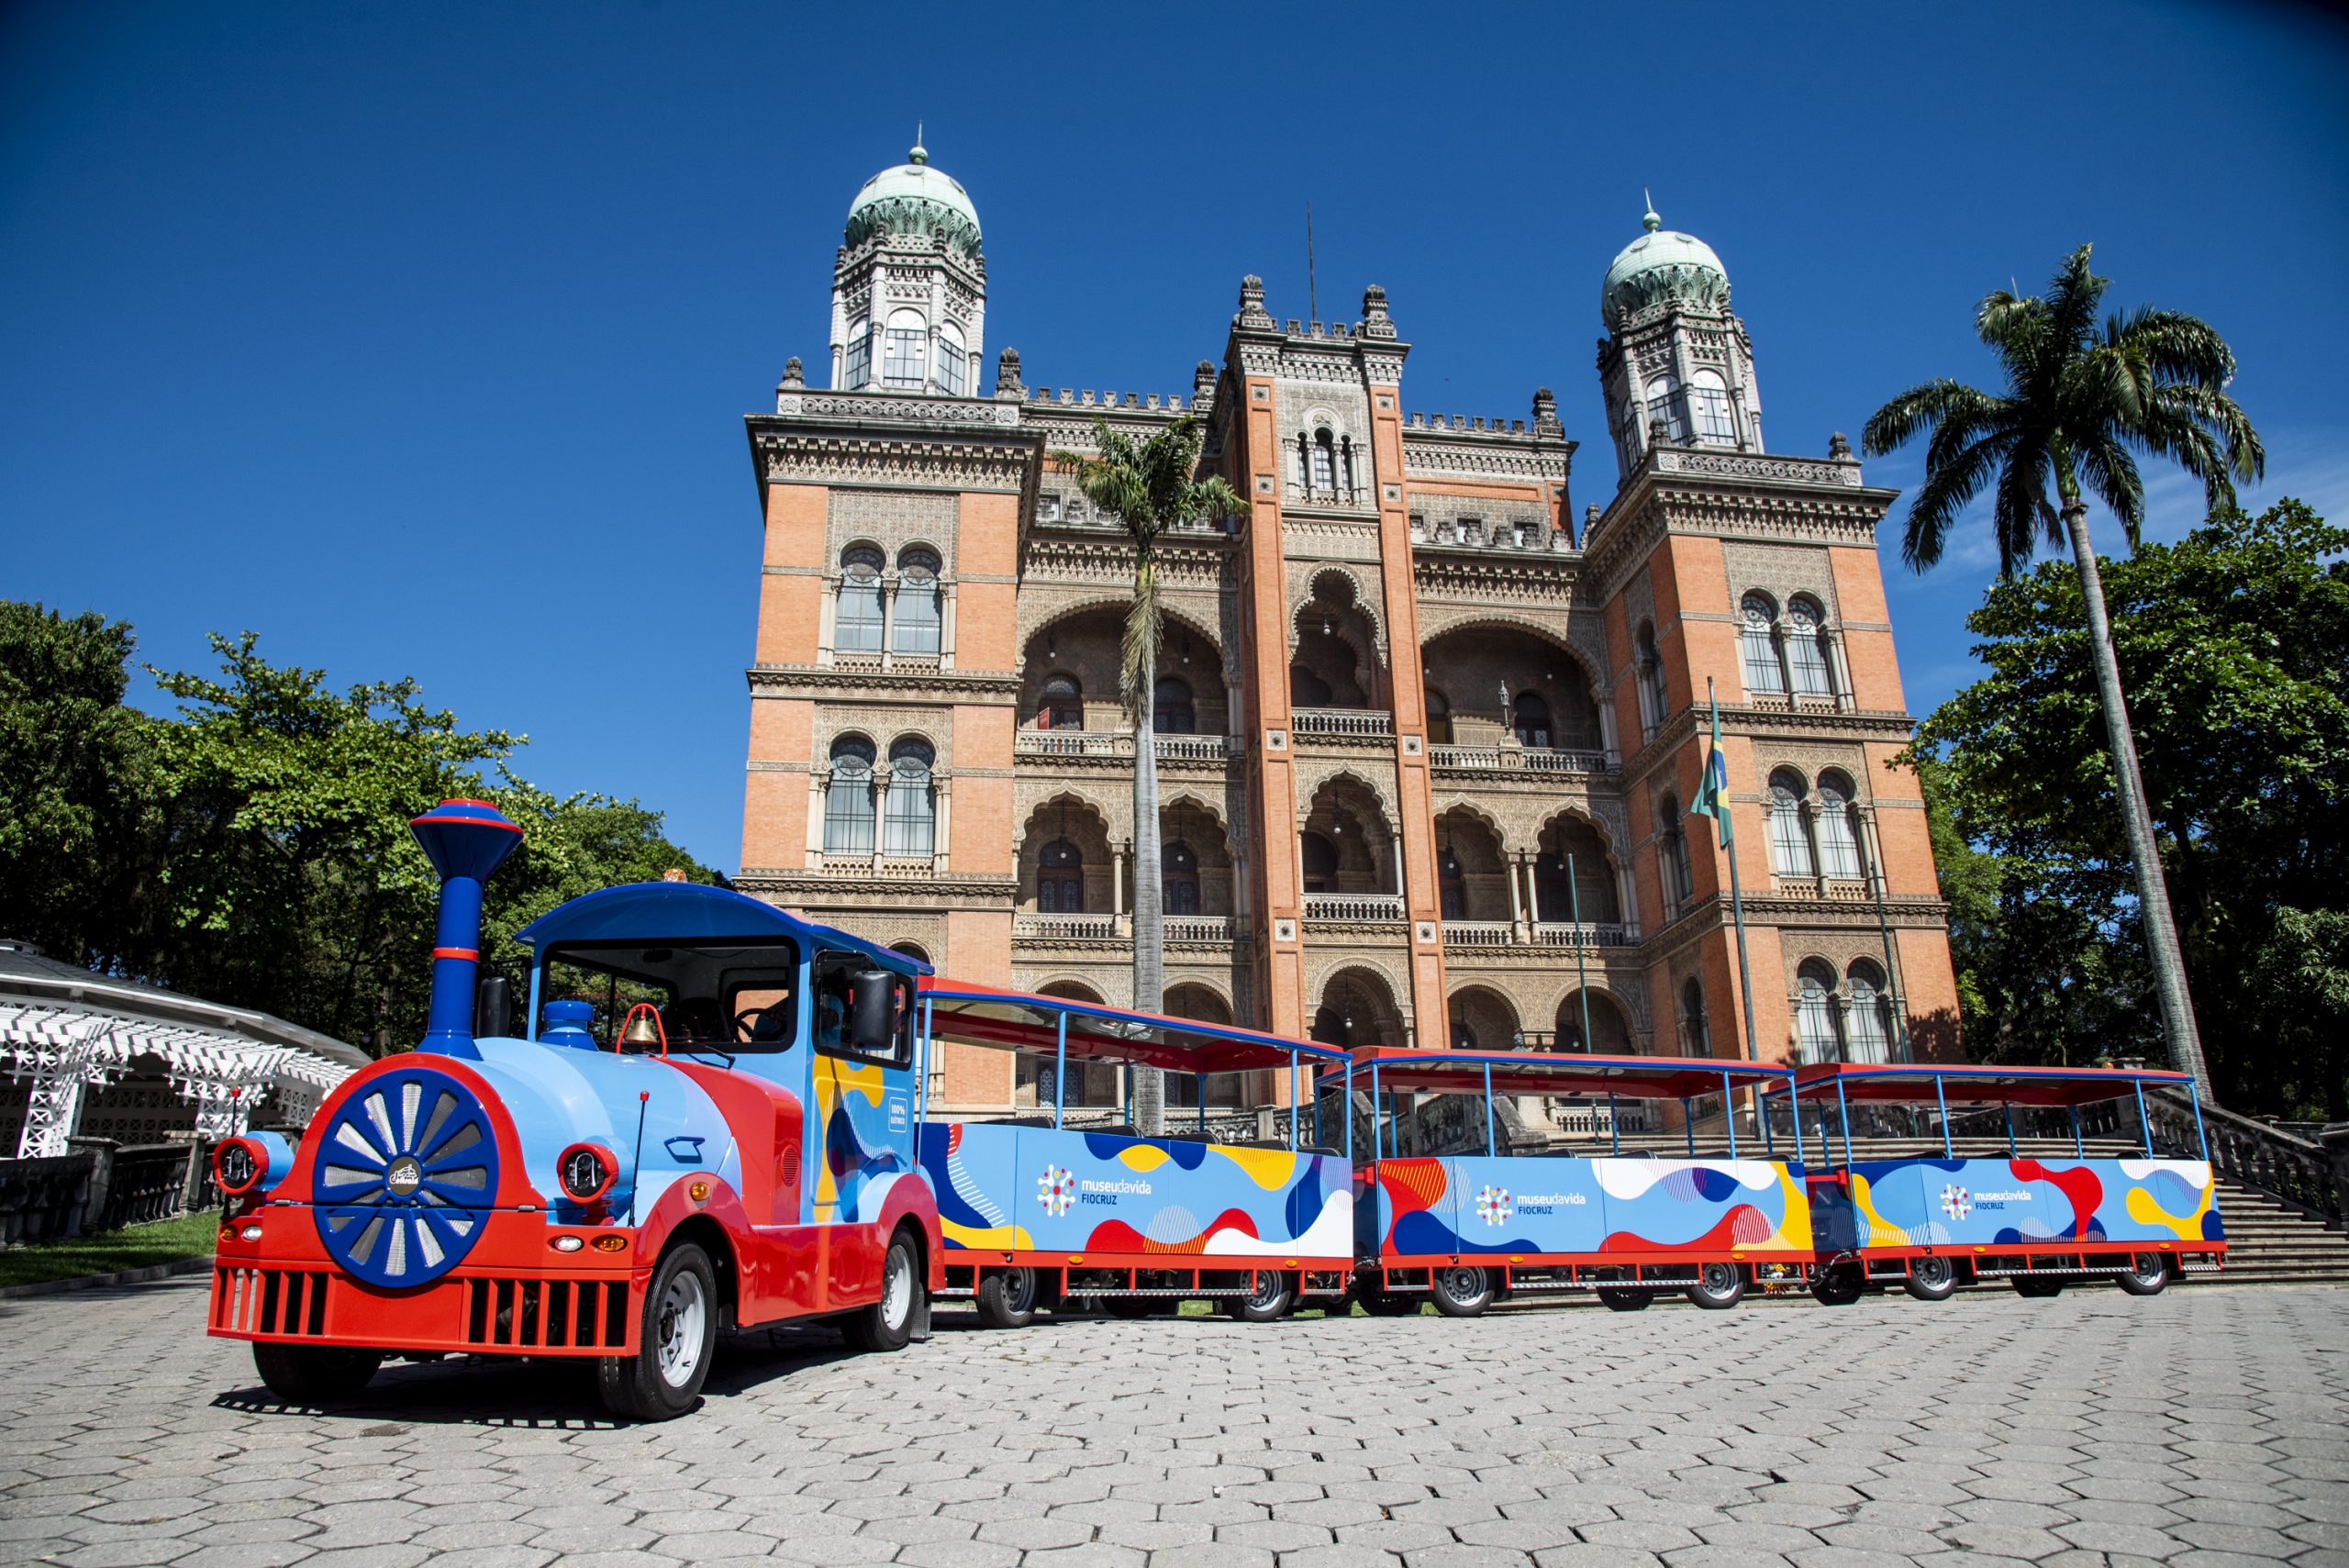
x=1149, y=486
x=2235, y=642
x=2079, y=403
x=77, y=783
x=255, y=849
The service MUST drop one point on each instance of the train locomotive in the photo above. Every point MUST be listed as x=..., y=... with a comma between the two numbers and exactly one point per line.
x=744, y=1154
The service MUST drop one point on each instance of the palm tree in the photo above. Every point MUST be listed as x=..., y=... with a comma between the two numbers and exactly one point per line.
x=2078, y=399
x=1149, y=486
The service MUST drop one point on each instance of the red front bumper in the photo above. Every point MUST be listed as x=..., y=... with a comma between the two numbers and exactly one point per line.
x=513, y=1294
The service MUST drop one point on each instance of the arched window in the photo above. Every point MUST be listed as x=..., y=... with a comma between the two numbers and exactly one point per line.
x=1171, y=710
x=903, y=346
x=1329, y=1028
x=856, y=355
x=1696, y=1034
x=1451, y=883
x=1807, y=649
x=1179, y=878
x=1665, y=403
x=848, y=799
x=908, y=820
x=1818, y=1033
x=1306, y=689
x=1839, y=836
x=953, y=362
x=1530, y=716
x=856, y=629
x=1870, y=1014
x=1553, y=900
x=1439, y=718
x=1060, y=879
x=911, y=949
x=1463, y=1036
x=1654, y=703
x=1678, y=884
x=1320, y=858
x=1759, y=637
x=1324, y=453
x=1060, y=705
x=1709, y=402
x=1789, y=834
x=920, y=616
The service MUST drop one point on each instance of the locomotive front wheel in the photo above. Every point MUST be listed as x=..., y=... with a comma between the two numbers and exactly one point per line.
x=313, y=1374
x=1268, y=1298
x=888, y=1323
x=1007, y=1298
x=2036, y=1286
x=1462, y=1290
x=2146, y=1274
x=1615, y=1298
x=676, y=1334
x=1719, y=1286
x=1930, y=1278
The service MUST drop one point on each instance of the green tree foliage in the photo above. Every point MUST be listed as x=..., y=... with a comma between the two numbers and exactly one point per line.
x=2234, y=643
x=76, y=777
x=255, y=851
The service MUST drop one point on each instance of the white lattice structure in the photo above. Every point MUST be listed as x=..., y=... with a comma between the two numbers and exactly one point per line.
x=64, y=1030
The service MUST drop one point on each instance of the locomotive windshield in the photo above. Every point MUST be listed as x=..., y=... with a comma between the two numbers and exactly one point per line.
x=726, y=996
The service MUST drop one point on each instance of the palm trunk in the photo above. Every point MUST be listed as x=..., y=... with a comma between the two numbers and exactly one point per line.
x=2136, y=818
x=1149, y=975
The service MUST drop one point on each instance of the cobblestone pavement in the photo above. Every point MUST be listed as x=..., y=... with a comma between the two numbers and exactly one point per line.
x=2204, y=1428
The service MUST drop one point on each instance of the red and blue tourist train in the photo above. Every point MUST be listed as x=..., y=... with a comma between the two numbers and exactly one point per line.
x=714, y=1115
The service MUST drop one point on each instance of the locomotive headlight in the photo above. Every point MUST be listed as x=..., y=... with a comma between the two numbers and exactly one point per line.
x=585, y=1171
x=238, y=1165
x=566, y=1243
x=250, y=1233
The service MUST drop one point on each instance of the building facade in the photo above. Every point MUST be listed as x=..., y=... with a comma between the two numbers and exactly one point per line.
x=1427, y=734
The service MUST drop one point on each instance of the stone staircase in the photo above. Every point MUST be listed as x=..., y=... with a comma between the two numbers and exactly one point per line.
x=2272, y=1242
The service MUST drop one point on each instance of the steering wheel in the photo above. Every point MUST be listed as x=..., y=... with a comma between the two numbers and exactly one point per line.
x=747, y=1022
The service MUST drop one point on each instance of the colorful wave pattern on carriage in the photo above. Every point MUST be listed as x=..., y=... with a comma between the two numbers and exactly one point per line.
x=868, y=1139
x=2014, y=1203
x=1028, y=1189
x=1453, y=1207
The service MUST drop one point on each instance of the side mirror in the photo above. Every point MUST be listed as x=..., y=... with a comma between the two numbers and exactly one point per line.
x=873, y=1010
x=493, y=1007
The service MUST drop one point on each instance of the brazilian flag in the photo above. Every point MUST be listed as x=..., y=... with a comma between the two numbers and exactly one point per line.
x=1712, y=795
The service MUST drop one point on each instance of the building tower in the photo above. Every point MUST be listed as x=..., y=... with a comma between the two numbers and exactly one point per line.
x=1732, y=575
x=909, y=289
x=1676, y=357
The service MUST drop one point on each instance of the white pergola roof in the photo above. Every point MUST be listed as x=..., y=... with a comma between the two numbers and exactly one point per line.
x=65, y=1029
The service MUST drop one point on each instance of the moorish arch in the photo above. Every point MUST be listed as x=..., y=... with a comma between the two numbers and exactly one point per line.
x=1480, y=1017
x=1357, y=1006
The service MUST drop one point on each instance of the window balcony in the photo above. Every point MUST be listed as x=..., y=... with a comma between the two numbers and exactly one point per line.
x=867, y=866
x=1353, y=908
x=1068, y=927
x=1485, y=935
x=1521, y=758
x=1828, y=889
x=1342, y=724
x=1110, y=745
x=1198, y=927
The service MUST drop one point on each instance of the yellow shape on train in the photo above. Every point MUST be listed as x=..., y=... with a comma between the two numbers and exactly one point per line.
x=1142, y=1158
x=988, y=1237
x=1794, y=1229
x=1270, y=1169
x=2145, y=1210
x=1881, y=1232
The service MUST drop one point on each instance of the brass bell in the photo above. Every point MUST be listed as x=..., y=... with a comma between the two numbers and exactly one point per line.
x=642, y=1032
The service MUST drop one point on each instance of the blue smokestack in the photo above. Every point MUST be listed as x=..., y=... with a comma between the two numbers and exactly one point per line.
x=465, y=840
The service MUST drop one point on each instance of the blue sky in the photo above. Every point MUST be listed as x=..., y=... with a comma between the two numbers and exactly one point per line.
x=417, y=337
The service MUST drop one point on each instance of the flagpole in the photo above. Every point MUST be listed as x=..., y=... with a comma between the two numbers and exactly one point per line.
x=1736, y=894
x=1582, y=982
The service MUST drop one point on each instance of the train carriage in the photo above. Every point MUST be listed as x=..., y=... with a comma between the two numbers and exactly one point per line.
x=1464, y=1229
x=1037, y=1210
x=739, y=1150
x=1884, y=1213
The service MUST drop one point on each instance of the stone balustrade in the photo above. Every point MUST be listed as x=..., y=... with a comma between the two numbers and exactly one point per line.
x=1353, y=908
x=1343, y=723
x=1520, y=759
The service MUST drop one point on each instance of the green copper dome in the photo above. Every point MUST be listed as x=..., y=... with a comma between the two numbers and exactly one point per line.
x=914, y=198
x=1661, y=265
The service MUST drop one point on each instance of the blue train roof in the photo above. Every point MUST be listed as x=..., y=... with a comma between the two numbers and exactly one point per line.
x=689, y=912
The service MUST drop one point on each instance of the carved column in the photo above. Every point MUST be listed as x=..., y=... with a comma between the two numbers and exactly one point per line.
x=1520, y=928
x=888, y=617
x=940, y=841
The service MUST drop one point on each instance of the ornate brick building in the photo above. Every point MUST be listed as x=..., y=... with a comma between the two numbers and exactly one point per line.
x=1428, y=733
